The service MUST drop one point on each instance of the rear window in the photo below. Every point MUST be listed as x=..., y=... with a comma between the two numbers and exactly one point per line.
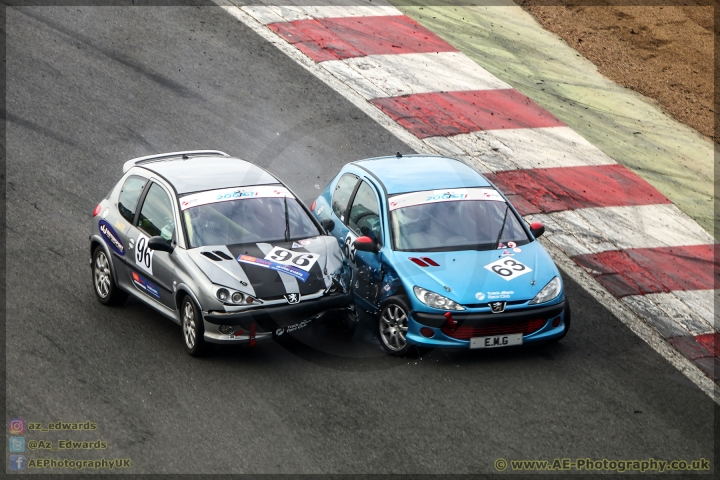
x=130, y=195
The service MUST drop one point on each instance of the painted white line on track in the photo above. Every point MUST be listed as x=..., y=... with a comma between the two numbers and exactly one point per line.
x=411, y=73
x=679, y=312
x=549, y=147
x=618, y=228
x=267, y=14
x=702, y=302
x=634, y=322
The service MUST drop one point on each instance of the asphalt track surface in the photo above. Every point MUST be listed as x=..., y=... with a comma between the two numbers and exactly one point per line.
x=87, y=89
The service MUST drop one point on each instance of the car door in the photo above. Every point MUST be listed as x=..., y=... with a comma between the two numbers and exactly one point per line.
x=120, y=222
x=152, y=272
x=344, y=190
x=363, y=219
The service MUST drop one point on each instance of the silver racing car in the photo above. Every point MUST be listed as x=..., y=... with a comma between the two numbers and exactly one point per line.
x=220, y=246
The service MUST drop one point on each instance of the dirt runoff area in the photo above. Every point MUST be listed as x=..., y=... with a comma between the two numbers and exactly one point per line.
x=662, y=52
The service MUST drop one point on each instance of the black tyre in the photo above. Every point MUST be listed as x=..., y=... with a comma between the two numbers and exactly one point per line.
x=106, y=290
x=193, y=331
x=567, y=324
x=341, y=323
x=393, y=326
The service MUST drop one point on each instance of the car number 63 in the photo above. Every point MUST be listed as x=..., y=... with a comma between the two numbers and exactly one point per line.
x=508, y=268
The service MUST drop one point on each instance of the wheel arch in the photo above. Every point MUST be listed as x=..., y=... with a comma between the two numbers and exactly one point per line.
x=95, y=243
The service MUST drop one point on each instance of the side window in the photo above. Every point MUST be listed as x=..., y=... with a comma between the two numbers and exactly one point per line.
x=156, y=215
x=341, y=195
x=129, y=196
x=364, y=218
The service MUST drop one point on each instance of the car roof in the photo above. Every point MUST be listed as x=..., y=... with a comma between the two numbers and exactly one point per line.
x=414, y=173
x=196, y=174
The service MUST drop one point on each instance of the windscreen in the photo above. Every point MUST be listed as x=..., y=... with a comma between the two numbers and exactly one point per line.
x=249, y=215
x=468, y=219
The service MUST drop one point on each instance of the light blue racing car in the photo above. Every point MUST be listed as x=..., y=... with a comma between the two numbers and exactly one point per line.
x=441, y=257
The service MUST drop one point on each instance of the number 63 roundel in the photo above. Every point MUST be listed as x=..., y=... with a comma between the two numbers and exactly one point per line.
x=508, y=268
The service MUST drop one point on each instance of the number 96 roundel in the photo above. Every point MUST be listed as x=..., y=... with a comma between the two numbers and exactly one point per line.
x=143, y=254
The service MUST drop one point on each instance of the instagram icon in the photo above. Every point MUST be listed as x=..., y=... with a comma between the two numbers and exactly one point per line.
x=16, y=426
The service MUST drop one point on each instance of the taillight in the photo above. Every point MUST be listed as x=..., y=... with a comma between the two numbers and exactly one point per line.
x=97, y=210
x=312, y=207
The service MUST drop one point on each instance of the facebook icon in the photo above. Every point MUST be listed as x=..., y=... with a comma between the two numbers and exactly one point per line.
x=17, y=462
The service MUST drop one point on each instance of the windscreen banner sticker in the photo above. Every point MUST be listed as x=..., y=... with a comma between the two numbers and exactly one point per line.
x=508, y=268
x=111, y=238
x=227, y=194
x=279, y=267
x=145, y=285
x=301, y=260
x=143, y=254
x=435, y=196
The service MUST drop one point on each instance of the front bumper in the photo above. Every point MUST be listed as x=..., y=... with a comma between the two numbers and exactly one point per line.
x=268, y=321
x=435, y=321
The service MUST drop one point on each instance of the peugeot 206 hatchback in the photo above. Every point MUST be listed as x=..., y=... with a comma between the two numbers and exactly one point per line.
x=441, y=257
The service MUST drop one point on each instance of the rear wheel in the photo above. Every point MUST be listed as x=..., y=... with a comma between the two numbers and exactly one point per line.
x=393, y=326
x=192, y=328
x=106, y=290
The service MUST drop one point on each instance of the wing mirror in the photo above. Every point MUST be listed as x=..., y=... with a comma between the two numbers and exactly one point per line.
x=327, y=224
x=159, y=244
x=537, y=229
x=365, y=244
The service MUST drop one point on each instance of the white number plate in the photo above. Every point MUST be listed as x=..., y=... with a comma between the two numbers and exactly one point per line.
x=301, y=260
x=508, y=268
x=496, y=341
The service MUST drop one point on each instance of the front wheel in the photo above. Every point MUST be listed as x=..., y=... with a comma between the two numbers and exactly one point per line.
x=393, y=326
x=192, y=328
x=106, y=290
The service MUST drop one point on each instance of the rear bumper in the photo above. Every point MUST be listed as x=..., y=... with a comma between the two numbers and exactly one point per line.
x=268, y=319
x=439, y=339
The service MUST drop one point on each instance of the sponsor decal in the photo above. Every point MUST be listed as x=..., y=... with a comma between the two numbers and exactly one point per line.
x=111, y=238
x=105, y=212
x=505, y=294
x=319, y=210
x=508, y=268
x=512, y=244
x=480, y=296
x=500, y=246
x=507, y=252
x=517, y=249
x=279, y=331
x=497, y=307
x=435, y=196
x=301, y=260
x=298, y=326
x=279, y=267
x=227, y=194
x=144, y=254
x=120, y=226
x=386, y=287
x=145, y=285
x=296, y=245
x=292, y=298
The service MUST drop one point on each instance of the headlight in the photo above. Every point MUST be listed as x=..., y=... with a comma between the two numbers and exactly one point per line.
x=436, y=301
x=549, y=292
x=233, y=297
